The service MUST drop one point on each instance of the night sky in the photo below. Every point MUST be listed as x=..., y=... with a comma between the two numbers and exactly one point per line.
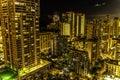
x=89, y=7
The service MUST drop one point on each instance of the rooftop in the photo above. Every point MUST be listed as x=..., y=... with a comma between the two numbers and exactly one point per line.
x=8, y=74
x=26, y=71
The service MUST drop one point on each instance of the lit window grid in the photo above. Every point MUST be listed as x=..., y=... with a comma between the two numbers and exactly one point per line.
x=18, y=16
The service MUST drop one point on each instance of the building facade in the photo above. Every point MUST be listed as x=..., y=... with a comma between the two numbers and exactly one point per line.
x=73, y=24
x=116, y=27
x=20, y=26
x=45, y=42
x=117, y=57
x=1, y=46
x=113, y=68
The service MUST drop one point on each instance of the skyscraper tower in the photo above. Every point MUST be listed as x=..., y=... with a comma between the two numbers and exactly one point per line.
x=116, y=27
x=73, y=24
x=20, y=27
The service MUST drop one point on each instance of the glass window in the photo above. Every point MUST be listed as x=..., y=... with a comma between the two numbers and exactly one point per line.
x=17, y=3
x=16, y=18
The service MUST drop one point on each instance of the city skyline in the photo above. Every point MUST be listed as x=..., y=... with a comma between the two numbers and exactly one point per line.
x=72, y=46
x=89, y=7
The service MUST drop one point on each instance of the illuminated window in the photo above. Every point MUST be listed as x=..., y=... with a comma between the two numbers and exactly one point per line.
x=25, y=46
x=4, y=4
x=16, y=24
x=37, y=29
x=37, y=25
x=26, y=32
x=27, y=18
x=6, y=30
x=33, y=10
x=36, y=3
x=16, y=31
x=25, y=39
x=37, y=17
x=36, y=21
x=37, y=39
x=24, y=14
x=17, y=36
x=16, y=18
x=23, y=21
x=31, y=19
x=17, y=3
x=22, y=4
x=17, y=14
x=32, y=36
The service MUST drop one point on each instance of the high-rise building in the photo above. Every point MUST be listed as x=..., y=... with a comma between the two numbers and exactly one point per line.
x=89, y=30
x=20, y=26
x=116, y=27
x=54, y=42
x=73, y=24
x=80, y=24
x=45, y=42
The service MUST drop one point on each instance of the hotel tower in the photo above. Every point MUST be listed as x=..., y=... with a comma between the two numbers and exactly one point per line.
x=20, y=27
